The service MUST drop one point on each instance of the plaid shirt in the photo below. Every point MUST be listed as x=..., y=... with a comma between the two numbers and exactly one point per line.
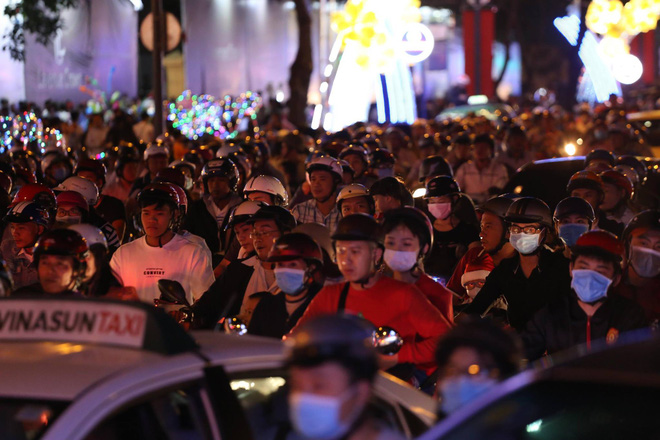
x=476, y=183
x=307, y=212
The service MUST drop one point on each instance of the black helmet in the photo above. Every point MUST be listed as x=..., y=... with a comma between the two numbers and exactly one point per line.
x=66, y=242
x=434, y=166
x=599, y=154
x=345, y=339
x=294, y=246
x=283, y=218
x=357, y=149
x=126, y=154
x=530, y=210
x=574, y=205
x=645, y=219
x=381, y=156
x=220, y=168
x=358, y=227
x=441, y=186
x=498, y=206
x=414, y=219
x=393, y=187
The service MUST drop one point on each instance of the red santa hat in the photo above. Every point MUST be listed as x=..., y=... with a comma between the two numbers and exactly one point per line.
x=478, y=269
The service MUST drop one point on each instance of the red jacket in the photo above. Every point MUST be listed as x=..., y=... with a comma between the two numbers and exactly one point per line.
x=389, y=303
x=438, y=295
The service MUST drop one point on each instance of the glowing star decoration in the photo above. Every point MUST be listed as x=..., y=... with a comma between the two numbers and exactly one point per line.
x=367, y=27
x=627, y=69
x=640, y=16
x=200, y=115
x=612, y=18
x=603, y=14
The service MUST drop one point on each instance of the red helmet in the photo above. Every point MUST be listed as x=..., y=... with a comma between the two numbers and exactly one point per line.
x=295, y=246
x=36, y=192
x=585, y=179
x=159, y=193
x=602, y=241
x=171, y=175
x=73, y=198
x=617, y=178
x=183, y=198
x=66, y=242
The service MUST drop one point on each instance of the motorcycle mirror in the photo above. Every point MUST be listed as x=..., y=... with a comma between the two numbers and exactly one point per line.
x=172, y=291
x=387, y=341
x=234, y=325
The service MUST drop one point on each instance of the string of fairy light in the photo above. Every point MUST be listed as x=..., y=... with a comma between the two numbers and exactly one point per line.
x=25, y=129
x=199, y=115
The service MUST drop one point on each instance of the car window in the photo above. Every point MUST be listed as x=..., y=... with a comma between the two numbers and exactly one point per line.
x=567, y=410
x=27, y=419
x=263, y=397
x=177, y=414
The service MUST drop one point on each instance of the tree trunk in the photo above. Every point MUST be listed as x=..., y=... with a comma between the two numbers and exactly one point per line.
x=302, y=67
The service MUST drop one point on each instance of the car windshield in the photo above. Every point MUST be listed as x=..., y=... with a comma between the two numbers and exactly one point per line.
x=567, y=410
x=27, y=419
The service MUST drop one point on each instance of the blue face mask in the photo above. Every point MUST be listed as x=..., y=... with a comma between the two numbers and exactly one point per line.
x=571, y=232
x=589, y=285
x=525, y=243
x=318, y=417
x=458, y=391
x=291, y=281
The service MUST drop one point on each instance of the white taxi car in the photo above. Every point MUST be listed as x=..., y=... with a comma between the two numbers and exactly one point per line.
x=98, y=370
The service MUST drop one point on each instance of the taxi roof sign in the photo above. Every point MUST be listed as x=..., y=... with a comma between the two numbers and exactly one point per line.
x=106, y=322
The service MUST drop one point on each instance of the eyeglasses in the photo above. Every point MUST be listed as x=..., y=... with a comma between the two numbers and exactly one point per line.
x=257, y=234
x=472, y=284
x=515, y=229
x=71, y=212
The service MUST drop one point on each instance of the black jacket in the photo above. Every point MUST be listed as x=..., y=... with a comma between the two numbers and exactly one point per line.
x=270, y=317
x=563, y=324
x=524, y=296
x=199, y=221
x=224, y=297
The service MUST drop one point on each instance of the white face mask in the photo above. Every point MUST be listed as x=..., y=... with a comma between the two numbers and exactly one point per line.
x=440, y=210
x=645, y=261
x=525, y=243
x=400, y=261
x=318, y=417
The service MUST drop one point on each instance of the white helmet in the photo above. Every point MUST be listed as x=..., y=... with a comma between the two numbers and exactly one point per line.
x=352, y=190
x=243, y=211
x=270, y=185
x=155, y=149
x=91, y=234
x=84, y=187
x=326, y=163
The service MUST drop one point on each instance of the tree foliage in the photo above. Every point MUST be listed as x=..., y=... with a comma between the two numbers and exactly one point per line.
x=42, y=18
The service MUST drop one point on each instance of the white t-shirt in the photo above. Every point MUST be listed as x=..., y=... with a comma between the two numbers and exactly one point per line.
x=139, y=265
